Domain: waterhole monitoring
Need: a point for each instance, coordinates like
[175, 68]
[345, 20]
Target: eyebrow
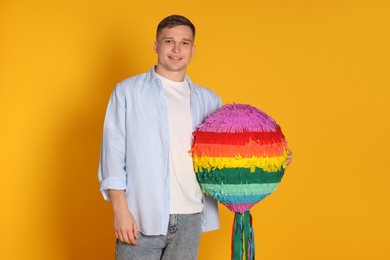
[171, 38]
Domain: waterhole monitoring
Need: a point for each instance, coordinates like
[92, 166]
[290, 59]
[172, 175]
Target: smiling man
[145, 165]
[175, 48]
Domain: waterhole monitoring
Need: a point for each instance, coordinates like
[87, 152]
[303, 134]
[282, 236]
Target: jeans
[180, 243]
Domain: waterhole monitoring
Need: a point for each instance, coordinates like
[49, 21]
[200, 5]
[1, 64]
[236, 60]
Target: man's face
[175, 48]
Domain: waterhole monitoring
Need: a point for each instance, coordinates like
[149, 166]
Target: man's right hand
[125, 226]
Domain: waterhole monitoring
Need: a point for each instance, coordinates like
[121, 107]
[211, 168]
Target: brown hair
[174, 20]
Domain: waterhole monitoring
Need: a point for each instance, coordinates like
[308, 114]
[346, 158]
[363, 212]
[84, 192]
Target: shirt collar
[154, 77]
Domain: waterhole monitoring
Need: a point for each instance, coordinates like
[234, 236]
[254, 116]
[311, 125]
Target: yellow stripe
[267, 164]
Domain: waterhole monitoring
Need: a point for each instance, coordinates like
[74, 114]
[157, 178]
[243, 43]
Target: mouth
[175, 58]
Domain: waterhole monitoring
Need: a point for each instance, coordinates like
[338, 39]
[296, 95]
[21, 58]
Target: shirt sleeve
[112, 166]
[219, 102]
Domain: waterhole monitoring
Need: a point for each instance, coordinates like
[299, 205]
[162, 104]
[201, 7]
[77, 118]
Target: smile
[175, 58]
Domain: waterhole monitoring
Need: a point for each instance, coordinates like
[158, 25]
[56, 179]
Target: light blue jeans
[180, 243]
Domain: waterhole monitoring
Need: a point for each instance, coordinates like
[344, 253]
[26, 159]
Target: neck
[171, 75]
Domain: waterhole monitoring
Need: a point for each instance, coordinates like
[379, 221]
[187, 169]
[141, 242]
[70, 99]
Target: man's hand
[289, 157]
[125, 226]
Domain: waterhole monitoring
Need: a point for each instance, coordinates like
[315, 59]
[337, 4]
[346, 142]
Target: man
[145, 166]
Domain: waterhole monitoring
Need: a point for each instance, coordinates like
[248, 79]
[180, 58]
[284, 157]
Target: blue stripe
[239, 199]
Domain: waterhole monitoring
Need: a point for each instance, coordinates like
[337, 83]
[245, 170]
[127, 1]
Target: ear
[193, 51]
[155, 47]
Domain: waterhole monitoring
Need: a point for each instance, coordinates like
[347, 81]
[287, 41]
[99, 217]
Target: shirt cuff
[113, 183]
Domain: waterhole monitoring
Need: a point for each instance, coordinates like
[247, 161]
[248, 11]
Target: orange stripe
[248, 150]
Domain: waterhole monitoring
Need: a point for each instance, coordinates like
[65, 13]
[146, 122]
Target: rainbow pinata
[239, 156]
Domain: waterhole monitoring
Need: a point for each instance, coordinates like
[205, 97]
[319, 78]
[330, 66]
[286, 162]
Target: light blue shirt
[135, 148]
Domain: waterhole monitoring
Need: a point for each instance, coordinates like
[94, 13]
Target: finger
[132, 239]
[120, 237]
[135, 230]
[289, 160]
[126, 238]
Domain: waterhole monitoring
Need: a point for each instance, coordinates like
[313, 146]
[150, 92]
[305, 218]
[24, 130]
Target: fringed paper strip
[243, 239]
[240, 137]
[250, 149]
[269, 164]
[239, 156]
[239, 176]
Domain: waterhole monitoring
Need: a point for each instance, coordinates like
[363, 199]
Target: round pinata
[239, 155]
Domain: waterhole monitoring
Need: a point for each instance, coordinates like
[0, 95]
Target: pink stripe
[236, 118]
[240, 208]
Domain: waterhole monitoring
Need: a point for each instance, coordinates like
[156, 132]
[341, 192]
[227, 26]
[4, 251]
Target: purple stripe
[240, 208]
[237, 118]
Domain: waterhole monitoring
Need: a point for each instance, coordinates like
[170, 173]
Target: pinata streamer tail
[243, 239]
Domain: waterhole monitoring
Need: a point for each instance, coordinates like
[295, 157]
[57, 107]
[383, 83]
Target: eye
[168, 41]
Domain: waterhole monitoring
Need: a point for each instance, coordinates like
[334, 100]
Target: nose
[175, 48]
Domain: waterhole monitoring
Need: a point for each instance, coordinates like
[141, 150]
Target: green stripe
[246, 232]
[216, 190]
[239, 175]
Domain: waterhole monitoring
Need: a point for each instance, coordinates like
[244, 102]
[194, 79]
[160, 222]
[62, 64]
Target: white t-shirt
[186, 195]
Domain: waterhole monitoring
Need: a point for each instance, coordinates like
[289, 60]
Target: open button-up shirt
[135, 149]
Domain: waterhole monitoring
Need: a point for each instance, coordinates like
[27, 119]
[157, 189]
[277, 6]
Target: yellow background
[319, 68]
